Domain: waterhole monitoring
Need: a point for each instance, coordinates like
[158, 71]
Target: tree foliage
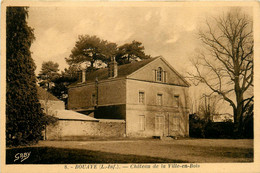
[23, 110]
[91, 49]
[67, 77]
[48, 73]
[131, 52]
[97, 52]
[226, 63]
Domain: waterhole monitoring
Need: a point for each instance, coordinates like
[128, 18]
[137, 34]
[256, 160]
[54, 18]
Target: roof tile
[123, 71]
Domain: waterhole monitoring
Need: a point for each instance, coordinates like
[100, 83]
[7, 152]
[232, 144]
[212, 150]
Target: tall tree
[91, 49]
[67, 77]
[23, 110]
[48, 73]
[131, 52]
[226, 64]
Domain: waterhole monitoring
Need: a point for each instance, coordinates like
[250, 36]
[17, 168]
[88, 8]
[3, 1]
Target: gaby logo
[22, 156]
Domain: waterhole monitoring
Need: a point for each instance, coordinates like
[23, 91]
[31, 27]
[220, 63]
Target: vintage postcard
[120, 86]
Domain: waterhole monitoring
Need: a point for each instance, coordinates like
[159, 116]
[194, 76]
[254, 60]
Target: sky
[168, 31]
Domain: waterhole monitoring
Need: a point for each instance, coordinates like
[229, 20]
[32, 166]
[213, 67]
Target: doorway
[159, 125]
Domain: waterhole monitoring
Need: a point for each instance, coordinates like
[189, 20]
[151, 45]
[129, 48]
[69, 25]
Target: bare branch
[227, 68]
[213, 89]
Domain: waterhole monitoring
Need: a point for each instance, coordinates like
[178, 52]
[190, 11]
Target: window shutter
[155, 75]
[176, 123]
[165, 76]
[162, 76]
[141, 122]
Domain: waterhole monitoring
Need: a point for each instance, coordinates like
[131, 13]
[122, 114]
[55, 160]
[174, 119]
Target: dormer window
[159, 74]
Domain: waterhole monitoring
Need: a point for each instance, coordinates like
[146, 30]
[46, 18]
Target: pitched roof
[123, 71]
[43, 94]
[72, 115]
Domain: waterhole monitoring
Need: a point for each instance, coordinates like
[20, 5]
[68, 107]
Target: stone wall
[76, 128]
[111, 127]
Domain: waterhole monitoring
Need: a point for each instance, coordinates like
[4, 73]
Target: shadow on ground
[51, 155]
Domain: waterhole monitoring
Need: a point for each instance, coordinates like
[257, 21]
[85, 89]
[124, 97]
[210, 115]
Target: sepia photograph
[128, 86]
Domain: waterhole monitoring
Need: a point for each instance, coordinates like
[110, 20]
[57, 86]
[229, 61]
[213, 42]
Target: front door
[159, 125]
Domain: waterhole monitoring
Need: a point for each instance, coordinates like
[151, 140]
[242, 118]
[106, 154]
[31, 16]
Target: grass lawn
[137, 151]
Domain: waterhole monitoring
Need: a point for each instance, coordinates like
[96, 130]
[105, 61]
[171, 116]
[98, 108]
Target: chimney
[112, 68]
[79, 74]
[83, 75]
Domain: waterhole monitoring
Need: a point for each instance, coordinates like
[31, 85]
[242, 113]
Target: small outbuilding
[71, 124]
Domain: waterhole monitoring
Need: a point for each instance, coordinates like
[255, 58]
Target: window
[159, 74]
[176, 123]
[141, 122]
[176, 101]
[93, 99]
[159, 99]
[141, 97]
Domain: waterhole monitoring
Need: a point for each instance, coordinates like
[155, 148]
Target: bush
[199, 128]
[248, 123]
[49, 120]
[196, 126]
[219, 129]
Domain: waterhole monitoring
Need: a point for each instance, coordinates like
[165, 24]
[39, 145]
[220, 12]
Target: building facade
[149, 95]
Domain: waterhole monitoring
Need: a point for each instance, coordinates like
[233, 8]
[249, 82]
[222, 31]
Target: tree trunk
[238, 118]
[239, 99]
